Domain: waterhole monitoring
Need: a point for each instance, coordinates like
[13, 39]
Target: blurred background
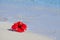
[41, 16]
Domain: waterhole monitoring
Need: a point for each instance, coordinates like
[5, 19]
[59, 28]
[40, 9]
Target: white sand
[5, 34]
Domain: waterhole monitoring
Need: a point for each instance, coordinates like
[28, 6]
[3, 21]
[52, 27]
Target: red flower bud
[19, 27]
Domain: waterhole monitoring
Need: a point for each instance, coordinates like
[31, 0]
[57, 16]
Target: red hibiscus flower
[19, 27]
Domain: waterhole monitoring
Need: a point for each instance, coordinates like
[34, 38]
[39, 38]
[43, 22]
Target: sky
[41, 16]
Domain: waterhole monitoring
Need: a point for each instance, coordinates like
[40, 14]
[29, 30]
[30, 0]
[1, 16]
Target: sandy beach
[6, 34]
